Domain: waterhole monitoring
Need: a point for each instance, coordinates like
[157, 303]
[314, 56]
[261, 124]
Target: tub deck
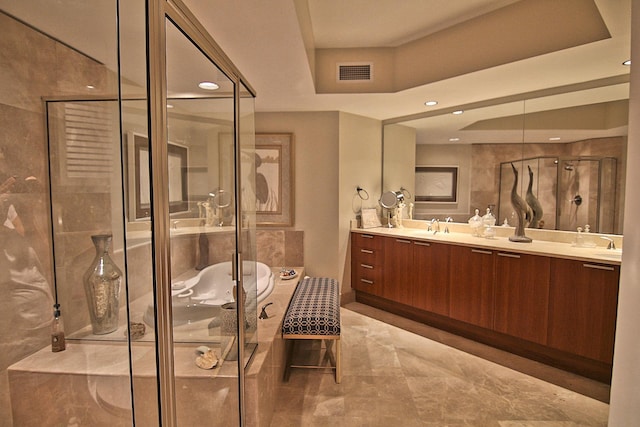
[92, 361]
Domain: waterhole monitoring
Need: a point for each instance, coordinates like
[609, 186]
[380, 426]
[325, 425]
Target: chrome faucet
[611, 244]
[446, 221]
[437, 228]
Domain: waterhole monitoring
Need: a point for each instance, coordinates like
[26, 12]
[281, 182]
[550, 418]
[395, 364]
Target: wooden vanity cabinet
[398, 261]
[522, 296]
[367, 263]
[555, 310]
[430, 286]
[471, 285]
[416, 274]
[582, 308]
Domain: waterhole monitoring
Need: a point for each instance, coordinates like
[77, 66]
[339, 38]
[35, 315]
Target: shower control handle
[577, 200]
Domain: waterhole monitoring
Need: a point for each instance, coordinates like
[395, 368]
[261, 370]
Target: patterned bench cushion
[314, 308]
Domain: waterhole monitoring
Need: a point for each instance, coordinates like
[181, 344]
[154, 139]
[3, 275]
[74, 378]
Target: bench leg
[334, 360]
[338, 362]
[289, 344]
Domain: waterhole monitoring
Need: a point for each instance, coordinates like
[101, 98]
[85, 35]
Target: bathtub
[214, 285]
[201, 296]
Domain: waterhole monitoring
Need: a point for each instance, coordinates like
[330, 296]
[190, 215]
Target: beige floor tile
[399, 372]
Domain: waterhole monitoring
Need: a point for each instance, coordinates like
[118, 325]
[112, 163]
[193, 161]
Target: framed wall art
[436, 184]
[274, 189]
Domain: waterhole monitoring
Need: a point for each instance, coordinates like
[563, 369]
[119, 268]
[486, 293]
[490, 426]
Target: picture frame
[274, 179]
[138, 177]
[436, 184]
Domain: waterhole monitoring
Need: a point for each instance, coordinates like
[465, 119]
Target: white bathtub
[214, 285]
[201, 296]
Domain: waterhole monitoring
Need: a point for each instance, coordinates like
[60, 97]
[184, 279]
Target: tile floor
[401, 373]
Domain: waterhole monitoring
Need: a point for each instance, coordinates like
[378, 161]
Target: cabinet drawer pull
[367, 281]
[508, 255]
[403, 241]
[422, 243]
[366, 236]
[480, 251]
[366, 251]
[598, 267]
[366, 266]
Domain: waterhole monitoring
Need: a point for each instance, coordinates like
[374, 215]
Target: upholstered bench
[314, 313]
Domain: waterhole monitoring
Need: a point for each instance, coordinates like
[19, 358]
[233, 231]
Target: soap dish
[288, 274]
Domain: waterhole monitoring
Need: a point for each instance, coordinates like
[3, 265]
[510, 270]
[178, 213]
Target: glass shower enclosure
[146, 138]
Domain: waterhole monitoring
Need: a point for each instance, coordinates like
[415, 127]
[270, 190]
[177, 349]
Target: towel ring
[361, 190]
[406, 192]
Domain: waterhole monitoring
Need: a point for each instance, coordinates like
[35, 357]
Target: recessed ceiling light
[454, 139]
[90, 87]
[208, 85]
[458, 112]
[554, 138]
[627, 62]
[431, 103]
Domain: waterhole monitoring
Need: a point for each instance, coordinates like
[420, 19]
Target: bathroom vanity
[548, 301]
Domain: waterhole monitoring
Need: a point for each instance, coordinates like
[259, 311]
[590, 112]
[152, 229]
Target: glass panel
[140, 264]
[259, 285]
[203, 235]
[66, 53]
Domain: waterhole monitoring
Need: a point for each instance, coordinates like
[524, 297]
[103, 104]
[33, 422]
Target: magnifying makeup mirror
[389, 201]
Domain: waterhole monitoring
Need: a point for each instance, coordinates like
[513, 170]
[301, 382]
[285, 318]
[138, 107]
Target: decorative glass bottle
[102, 288]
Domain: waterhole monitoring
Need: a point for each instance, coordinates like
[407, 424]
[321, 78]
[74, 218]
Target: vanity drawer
[367, 248]
[367, 258]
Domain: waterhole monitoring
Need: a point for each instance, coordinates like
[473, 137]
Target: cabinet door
[582, 311]
[471, 285]
[367, 257]
[522, 296]
[398, 262]
[430, 285]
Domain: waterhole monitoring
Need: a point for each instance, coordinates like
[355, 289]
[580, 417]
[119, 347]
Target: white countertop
[599, 254]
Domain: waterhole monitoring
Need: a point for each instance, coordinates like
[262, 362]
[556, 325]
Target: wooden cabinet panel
[367, 258]
[398, 262]
[471, 285]
[522, 296]
[582, 309]
[431, 277]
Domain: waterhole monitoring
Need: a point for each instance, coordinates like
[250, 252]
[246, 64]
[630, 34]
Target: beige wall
[625, 386]
[316, 153]
[360, 165]
[399, 151]
[447, 155]
[334, 153]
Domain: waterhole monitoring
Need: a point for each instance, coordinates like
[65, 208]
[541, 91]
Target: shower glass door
[213, 296]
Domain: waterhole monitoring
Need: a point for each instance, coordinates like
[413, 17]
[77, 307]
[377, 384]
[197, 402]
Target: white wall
[625, 387]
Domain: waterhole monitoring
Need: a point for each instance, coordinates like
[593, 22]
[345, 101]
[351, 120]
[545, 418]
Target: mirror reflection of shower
[586, 193]
[573, 191]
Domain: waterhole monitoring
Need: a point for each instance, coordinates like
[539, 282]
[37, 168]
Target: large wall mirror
[568, 142]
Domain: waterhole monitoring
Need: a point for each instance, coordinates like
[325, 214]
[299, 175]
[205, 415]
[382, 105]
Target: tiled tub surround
[89, 381]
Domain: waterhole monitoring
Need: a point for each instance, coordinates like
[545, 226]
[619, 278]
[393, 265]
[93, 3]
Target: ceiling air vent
[355, 72]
